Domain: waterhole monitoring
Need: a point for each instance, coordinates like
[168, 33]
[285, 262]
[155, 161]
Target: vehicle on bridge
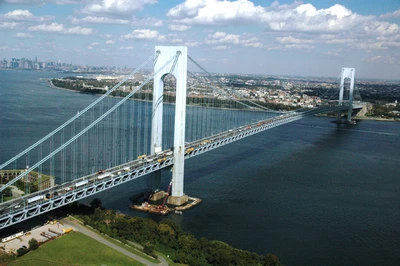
[36, 198]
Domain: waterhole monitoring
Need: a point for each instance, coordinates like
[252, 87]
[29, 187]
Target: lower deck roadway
[77, 226]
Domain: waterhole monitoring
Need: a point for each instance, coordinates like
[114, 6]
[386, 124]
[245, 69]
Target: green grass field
[74, 249]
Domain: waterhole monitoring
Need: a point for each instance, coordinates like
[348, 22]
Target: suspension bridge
[117, 139]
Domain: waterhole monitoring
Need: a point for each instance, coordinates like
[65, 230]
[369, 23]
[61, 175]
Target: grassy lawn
[74, 249]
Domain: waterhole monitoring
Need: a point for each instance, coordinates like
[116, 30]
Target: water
[310, 192]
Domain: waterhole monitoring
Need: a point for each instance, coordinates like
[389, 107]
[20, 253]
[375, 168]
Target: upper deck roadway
[28, 206]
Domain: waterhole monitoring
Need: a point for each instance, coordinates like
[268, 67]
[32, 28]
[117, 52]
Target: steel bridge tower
[347, 73]
[178, 68]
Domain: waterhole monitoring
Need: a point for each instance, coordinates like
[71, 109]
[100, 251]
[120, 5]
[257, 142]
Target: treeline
[384, 111]
[168, 238]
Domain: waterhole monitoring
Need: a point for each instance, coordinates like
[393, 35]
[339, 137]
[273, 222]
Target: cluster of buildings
[24, 63]
[29, 64]
[35, 179]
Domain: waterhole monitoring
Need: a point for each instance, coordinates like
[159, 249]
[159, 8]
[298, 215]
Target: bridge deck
[28, 206]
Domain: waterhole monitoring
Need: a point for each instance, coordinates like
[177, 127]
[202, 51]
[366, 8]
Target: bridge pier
[178, 68]
[347, 73]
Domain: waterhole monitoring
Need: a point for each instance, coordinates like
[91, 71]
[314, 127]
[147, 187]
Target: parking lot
[56, 229]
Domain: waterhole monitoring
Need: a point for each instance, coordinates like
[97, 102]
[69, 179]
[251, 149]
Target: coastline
[51, 85]
[377, 118]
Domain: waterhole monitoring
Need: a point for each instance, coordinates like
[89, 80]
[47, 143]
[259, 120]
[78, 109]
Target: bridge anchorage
[107, 147]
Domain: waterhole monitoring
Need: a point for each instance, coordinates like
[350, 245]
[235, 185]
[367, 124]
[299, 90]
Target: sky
[302, 38]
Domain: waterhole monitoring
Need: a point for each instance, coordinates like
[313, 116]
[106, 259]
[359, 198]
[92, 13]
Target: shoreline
[51, 85]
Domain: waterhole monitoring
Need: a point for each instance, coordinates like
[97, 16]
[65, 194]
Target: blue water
[310, 192]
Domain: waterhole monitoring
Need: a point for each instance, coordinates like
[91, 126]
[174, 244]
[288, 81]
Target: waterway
[310, 192]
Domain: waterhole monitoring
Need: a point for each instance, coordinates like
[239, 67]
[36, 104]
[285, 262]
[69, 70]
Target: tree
[21, 252]
[33, 244]
[271, 260]
[148, 248]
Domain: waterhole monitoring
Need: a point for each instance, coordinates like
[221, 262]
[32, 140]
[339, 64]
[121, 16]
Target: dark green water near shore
[310, 192]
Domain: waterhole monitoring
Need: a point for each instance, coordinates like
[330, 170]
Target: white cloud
[116, 7]
[381, 59]
[9, 25]
[221, 47]
[110, 42]
[298, 46]
[23, 35]
[23, 15]
[292, 40]
[215, 12]
[118, 21]
[79, 31]
[176, 27]
[224, 38]
[99, 20]
[147, 22]
[332, 53]
[381, 28]
[3, 48]
[127, 48]
[394, 14]
[60, 28]
[297, 17]
[53, 27]
[192, 44]
[145, 34]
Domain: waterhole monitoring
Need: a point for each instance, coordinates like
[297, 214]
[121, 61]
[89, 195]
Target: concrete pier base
[178, 201]
[157, 196]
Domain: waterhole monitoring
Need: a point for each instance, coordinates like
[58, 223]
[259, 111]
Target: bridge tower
[347, 73]
[178, 68]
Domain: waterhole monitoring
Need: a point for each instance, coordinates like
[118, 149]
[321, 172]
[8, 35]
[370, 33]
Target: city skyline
[306, 38]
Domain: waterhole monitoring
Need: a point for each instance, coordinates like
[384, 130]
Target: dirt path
[86, 231]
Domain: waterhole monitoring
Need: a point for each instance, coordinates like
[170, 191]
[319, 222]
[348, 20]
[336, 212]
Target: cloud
[381, 28]
[127, 48]
[297, 17]
[292, 40]
[61, 29]
[175, 27]
[99, 20]
[145, 34]
[382, 59]
[224, 38]
[215, 12]
[332, 53]
[110, 20]
[394, 14]
[110, 42]
[221, 47]
[116, 7]
[9, 25]
[23, 35]
[23, 15]
[147, 22]
[192, 44]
